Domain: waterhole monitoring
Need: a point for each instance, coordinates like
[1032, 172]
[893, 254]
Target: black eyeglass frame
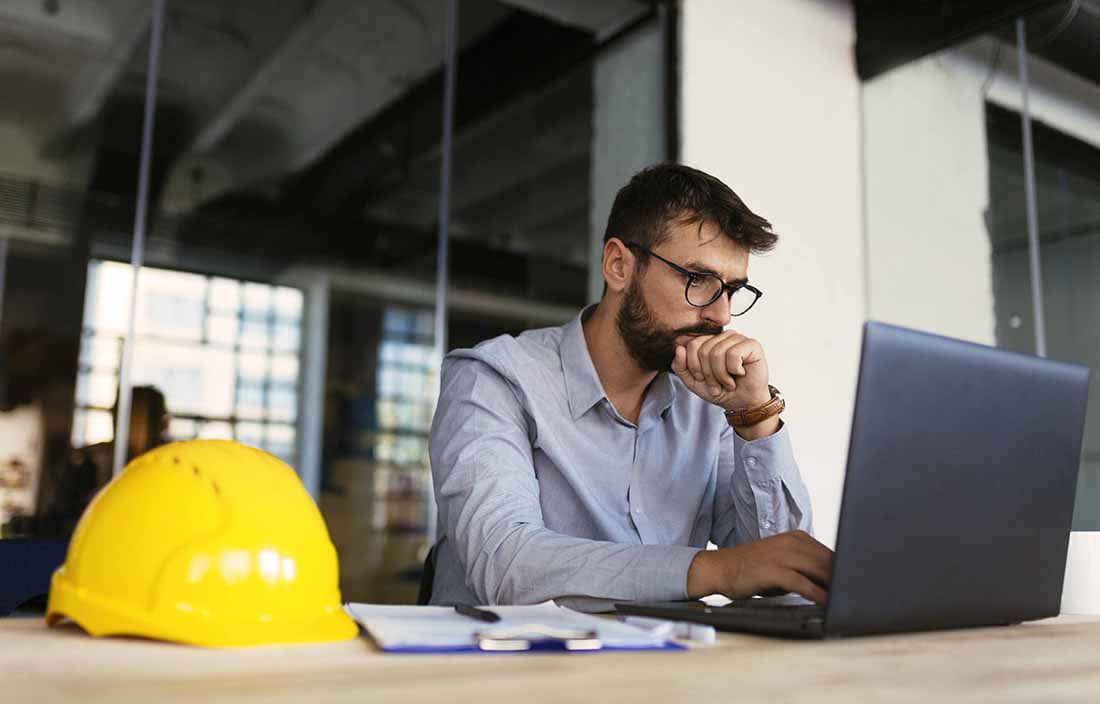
[692, 276]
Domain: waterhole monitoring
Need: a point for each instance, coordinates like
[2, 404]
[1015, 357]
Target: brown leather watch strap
[744, 417]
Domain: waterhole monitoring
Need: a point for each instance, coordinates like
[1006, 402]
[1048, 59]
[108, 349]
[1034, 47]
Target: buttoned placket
[648, 420]
[635, 506]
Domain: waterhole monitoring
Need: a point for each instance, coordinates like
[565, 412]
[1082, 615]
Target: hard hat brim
[101, 617]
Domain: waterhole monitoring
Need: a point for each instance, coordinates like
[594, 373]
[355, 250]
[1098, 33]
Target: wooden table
[1046, 661]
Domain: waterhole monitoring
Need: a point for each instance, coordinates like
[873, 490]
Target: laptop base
[763, 616]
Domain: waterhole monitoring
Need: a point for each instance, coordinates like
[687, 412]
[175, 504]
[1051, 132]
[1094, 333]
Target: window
[225, 353]
[406, 394]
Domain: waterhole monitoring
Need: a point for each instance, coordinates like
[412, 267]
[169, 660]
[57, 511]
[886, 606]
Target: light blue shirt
[545, 492]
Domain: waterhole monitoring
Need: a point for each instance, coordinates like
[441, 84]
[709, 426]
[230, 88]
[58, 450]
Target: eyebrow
[702, 269]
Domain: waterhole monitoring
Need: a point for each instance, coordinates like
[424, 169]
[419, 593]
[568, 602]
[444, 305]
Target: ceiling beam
[307, 34]
[98, 81]
[602, 18]
[521, 53]
[485, 168]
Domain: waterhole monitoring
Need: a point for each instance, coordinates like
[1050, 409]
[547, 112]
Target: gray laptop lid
[958, 497]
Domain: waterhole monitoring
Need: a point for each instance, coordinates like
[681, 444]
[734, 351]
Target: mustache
[699, 330]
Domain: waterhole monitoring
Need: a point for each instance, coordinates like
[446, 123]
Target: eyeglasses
[703, 289]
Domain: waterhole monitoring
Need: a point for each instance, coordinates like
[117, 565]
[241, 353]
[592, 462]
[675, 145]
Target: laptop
[958, 496]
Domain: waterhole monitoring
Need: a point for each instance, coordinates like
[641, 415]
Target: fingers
[734, 361]
[710, 378]
[793, 581]
[694, 365]
[727, 359]
[791, 561]
[817, 570]
[796, 563]
[818, 547]
[680, 368]
[707, 359]
[743, 352]
[815, 548]
[679, 361]
[713, 363]
[806, 555]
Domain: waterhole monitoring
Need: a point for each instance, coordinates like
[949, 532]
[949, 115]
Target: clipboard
[537, 628]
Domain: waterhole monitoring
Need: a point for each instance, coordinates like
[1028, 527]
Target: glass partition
[1067, 181]
[308, 290]
[288, 288]
[946, 204]
[70, 135]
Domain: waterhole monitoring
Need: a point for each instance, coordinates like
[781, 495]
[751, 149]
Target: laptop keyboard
[773, 610]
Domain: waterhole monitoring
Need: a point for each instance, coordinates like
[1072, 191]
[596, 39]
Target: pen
[479, 614]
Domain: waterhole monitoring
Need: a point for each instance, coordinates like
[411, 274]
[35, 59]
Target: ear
[618, 265]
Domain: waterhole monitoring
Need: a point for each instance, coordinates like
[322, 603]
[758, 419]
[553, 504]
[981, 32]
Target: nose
[718, 312]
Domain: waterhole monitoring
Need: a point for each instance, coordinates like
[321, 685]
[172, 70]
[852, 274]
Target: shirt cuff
[767, 458]
[663, 572]
[662, 575]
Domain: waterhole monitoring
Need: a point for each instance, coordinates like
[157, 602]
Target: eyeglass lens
[704, 290]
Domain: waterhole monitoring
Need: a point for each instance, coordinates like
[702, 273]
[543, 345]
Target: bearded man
[592, 463]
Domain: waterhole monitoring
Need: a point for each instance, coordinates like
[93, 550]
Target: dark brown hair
[665, 194]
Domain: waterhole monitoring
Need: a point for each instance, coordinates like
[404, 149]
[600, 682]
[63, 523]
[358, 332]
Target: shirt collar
[662, 392]
[582, 384]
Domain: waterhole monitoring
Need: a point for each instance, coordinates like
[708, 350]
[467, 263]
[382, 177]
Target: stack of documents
[439, 629]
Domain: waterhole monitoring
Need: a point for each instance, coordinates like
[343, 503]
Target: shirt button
[751, 461]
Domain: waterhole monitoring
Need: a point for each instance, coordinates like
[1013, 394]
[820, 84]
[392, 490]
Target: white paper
[394, 627]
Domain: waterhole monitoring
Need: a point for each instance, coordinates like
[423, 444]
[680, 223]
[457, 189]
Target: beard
[651, 344]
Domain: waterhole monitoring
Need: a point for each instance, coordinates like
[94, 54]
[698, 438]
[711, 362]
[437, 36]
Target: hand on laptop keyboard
[791, 562]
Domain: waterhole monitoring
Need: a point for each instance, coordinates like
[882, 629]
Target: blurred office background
[288, 294]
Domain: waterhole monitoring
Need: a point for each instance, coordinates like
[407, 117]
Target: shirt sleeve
[760, 490]
[488, 499]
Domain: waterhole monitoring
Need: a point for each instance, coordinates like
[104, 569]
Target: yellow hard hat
[207, 542]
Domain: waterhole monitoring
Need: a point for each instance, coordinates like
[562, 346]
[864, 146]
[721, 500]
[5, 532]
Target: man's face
[655, 316]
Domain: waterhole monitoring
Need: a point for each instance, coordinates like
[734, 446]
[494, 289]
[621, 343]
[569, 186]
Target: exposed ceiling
[63, 63]
[893, 32]
[1066, 34]
[303, 114]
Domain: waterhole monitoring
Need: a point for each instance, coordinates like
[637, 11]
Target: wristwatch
[744, 417]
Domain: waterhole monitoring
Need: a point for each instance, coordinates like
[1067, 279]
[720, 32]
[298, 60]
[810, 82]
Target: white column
[927, 185]
[771, 105]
